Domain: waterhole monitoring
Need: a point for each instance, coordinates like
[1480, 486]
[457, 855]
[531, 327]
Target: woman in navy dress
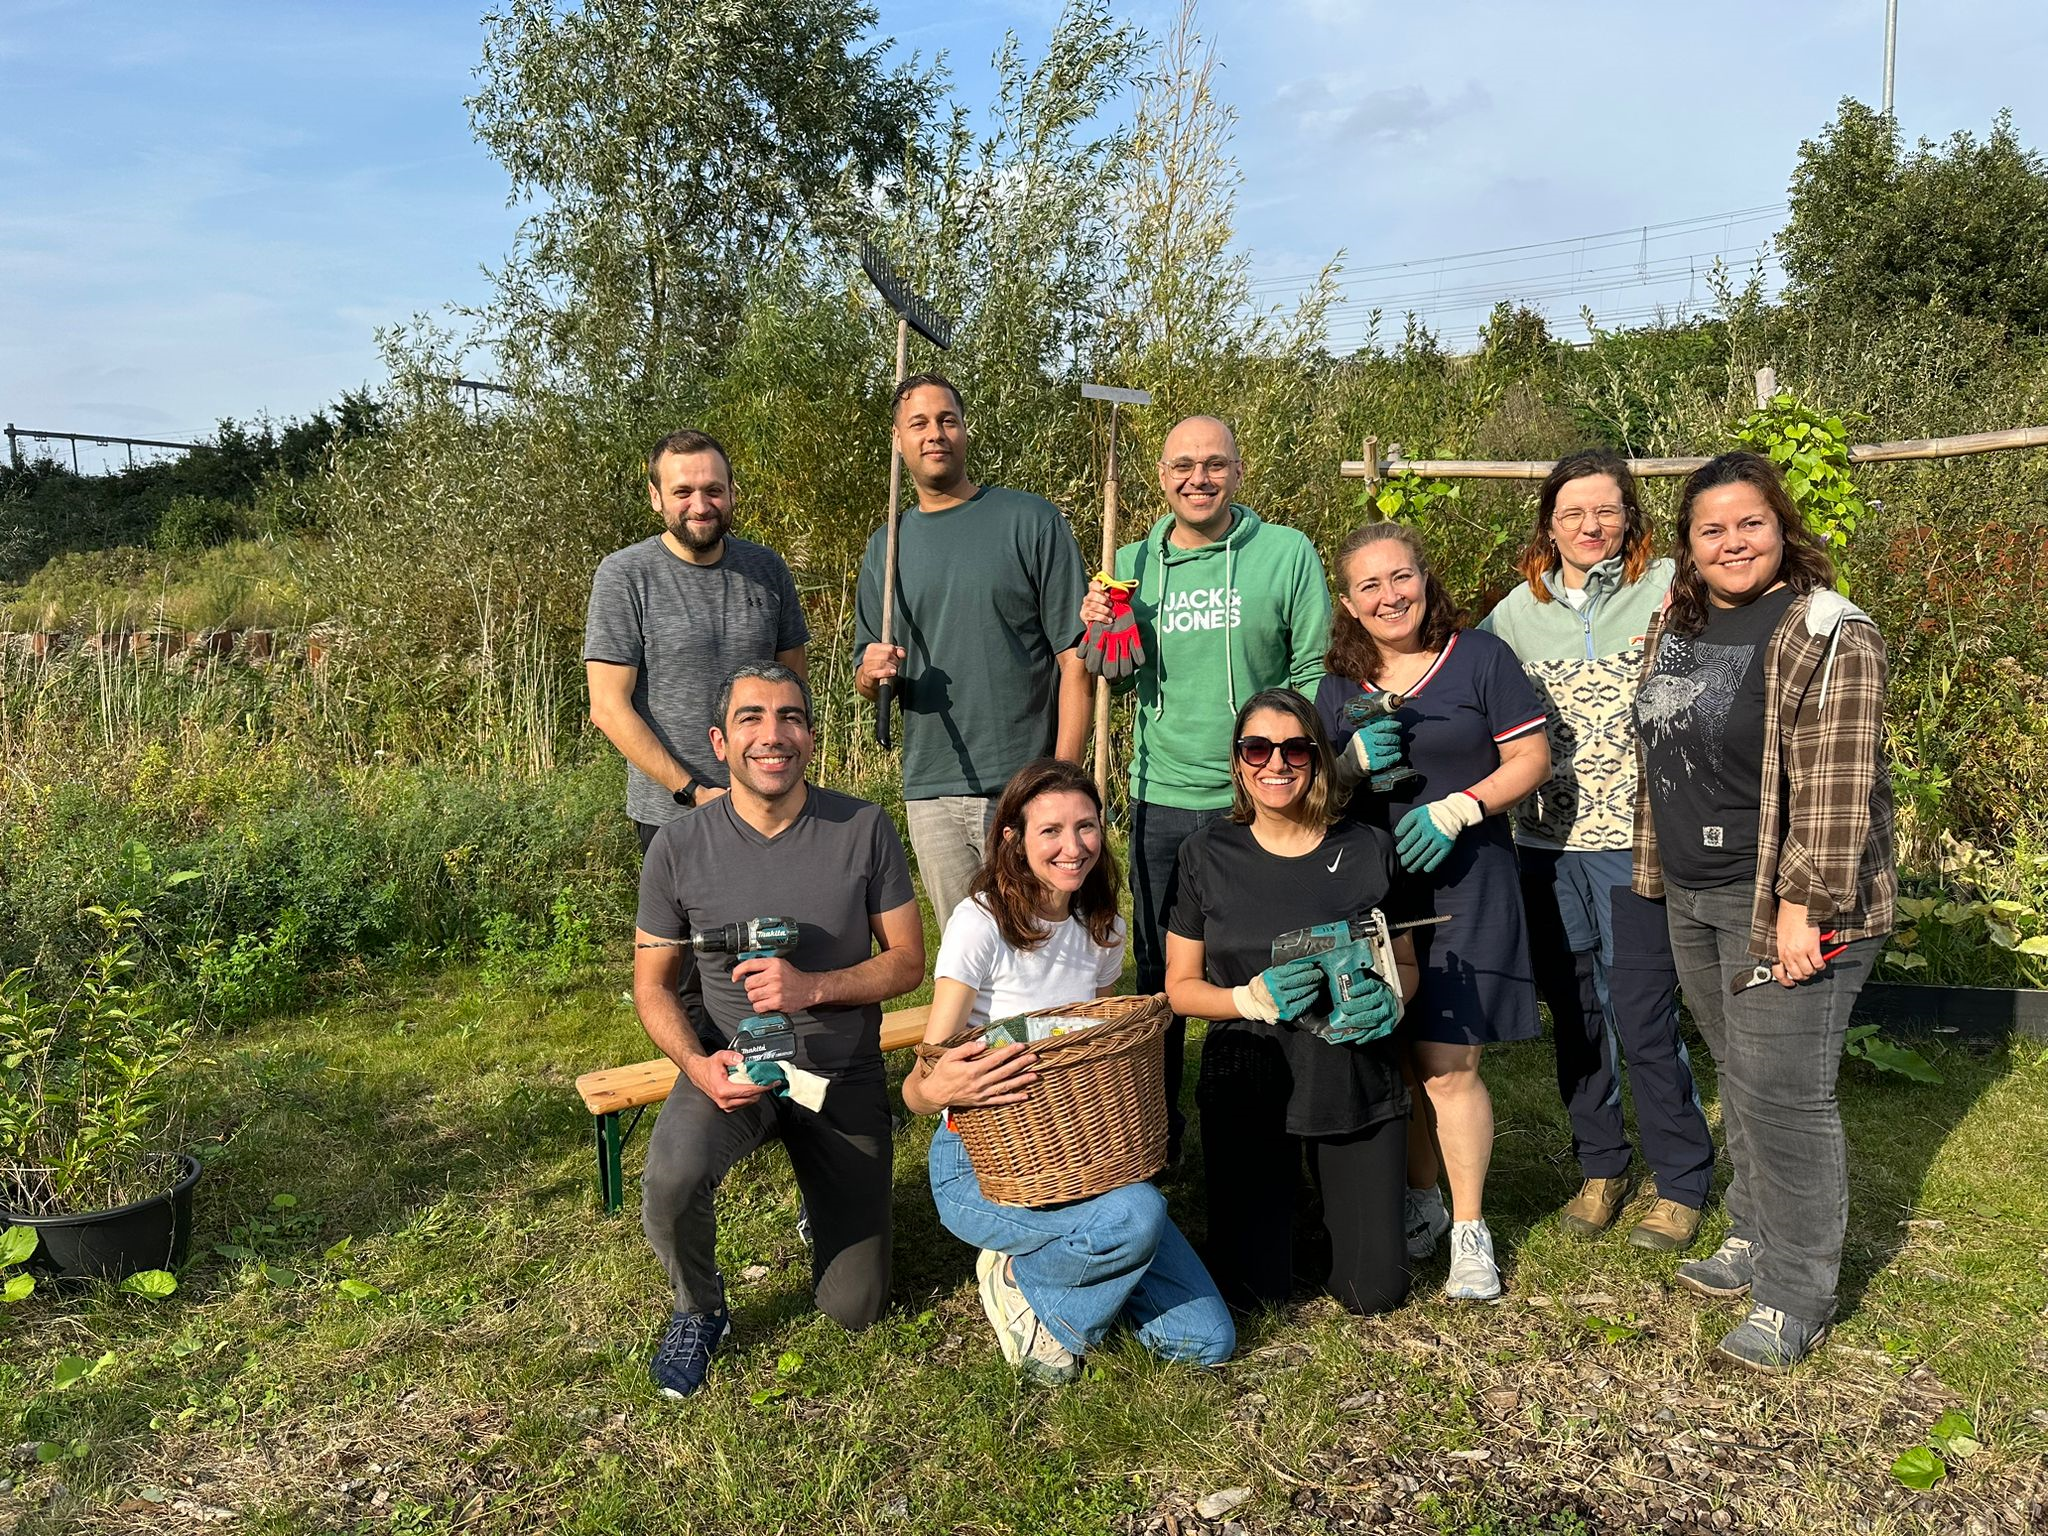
[1476, 743]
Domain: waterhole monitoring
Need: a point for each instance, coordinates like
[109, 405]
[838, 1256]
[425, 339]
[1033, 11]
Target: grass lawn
[426, 1140]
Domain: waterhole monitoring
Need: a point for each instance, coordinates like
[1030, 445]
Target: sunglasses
[1257, 751]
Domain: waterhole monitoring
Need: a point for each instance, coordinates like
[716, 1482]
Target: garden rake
[913, 313]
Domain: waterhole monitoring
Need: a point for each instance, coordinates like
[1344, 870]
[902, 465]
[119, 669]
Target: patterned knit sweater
[1583, 663]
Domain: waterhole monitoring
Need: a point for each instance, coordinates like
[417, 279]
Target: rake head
[919, 313]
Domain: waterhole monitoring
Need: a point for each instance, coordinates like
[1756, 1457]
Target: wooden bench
[616, 1090]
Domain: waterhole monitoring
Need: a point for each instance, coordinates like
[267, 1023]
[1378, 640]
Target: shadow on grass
[1897, 1129]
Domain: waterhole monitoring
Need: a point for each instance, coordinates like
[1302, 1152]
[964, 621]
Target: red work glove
[1113, 650]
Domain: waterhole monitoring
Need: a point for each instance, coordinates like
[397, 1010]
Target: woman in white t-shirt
[1040, 928]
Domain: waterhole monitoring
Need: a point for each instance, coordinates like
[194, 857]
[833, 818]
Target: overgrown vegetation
[238, 482]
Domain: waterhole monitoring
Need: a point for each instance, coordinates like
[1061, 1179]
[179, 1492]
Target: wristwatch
[687, 795]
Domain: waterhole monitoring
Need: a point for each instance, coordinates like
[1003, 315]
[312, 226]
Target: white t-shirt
[1069, 967]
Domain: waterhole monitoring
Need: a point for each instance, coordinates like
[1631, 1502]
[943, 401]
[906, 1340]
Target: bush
[368, 868]
[193, 523]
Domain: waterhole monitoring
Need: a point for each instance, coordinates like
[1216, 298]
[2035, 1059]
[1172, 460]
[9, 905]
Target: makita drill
[1328, 938]
[765, 1036]
[1329, 946]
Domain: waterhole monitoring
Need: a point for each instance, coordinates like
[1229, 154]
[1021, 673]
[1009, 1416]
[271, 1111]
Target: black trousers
[1614, 942]
[841, 1158]
[1157, 831]
[1252, 1170]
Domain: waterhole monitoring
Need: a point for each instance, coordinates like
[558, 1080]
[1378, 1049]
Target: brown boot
[1593, 1209]
[1669, 1228]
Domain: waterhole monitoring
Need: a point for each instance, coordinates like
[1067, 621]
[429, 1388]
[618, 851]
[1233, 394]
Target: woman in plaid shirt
[1765, 821]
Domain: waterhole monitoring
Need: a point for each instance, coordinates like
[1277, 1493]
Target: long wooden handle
[885, 696]
[1109, 567]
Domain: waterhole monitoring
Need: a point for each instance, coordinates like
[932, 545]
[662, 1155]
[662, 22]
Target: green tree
[670, 148]
[1875, 231]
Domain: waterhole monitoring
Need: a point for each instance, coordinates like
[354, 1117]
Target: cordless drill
[1325, 939]
[1368, 707]
[765, 1036]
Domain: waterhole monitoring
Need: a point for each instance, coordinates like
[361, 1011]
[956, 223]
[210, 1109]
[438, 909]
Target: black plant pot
[150, 1234]
[1974, 1013]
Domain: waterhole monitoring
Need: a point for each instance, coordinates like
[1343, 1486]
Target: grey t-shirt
[831, 870]
[686, 627]
[987, 594]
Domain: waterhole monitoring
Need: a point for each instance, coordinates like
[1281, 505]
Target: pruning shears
[1756, 976]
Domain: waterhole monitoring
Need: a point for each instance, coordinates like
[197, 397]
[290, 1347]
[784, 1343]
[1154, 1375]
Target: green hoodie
[1583, 663]
[1250, 611]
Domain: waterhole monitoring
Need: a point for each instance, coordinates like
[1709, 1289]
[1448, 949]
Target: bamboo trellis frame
[1372, 468]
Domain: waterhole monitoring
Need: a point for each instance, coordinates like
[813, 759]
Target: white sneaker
[1424, 1220]
[1023, 1339]
[1474, 1276]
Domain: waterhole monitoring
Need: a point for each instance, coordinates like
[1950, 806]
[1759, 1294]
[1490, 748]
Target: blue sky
[208, 208]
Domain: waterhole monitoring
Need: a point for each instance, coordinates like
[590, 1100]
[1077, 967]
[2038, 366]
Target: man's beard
[695, 542]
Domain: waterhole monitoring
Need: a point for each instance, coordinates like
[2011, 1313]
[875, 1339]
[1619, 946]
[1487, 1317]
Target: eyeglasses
[1607, 517]
[1180, 469]
[1257, 751]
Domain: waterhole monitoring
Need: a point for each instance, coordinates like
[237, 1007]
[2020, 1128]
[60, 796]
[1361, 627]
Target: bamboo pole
[1535, 469]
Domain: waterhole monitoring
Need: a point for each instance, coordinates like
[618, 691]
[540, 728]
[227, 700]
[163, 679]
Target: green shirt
[988, 594]
[1219, 623]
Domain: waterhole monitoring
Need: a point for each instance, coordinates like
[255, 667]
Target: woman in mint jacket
[1602, 955]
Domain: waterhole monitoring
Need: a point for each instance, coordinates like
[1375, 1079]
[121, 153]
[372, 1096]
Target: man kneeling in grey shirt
[775, 846]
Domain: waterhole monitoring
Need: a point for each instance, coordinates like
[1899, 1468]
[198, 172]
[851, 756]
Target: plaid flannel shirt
[1824, 817]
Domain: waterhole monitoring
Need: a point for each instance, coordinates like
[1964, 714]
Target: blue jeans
[1084, 1265]
[1157, 831]
[1778, 1051]
[1602, 958]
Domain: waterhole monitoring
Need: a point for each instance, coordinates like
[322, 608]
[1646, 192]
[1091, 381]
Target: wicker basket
[1094, 1121]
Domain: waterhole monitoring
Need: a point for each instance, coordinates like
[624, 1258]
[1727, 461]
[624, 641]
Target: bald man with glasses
[1226, 604]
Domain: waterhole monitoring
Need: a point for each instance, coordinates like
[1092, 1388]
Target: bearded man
[671, 618]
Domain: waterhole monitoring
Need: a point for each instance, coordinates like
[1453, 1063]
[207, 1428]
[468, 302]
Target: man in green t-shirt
[1226, 604]
[989, 584]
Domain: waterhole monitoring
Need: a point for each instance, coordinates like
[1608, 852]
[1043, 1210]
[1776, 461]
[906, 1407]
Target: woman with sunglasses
[1765, 823]
[1298, 1057]
[1475, 745]
[1602, 953]
[1038, 929]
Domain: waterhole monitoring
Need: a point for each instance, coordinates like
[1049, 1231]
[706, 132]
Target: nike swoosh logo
[1336, 861]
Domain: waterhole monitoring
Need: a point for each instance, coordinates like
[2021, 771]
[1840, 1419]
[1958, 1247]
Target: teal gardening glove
[1281, 993]
[1363, 1007]
[1424, 838]
[1368, 1011]
[1373, 748]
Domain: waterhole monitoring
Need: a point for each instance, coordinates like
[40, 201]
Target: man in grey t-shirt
[986, 660]
[669, 620]
[774, 846]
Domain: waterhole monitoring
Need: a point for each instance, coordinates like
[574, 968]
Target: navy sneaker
[684, 1355]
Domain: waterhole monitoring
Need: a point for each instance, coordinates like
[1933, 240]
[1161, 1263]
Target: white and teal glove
[1424, 838]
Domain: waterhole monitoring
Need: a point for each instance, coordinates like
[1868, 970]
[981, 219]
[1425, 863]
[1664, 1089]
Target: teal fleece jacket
[1583, 665]
[1220, 622]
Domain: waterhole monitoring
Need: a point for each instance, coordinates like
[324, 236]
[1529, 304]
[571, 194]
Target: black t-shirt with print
[1701, 716]
[1236, 898]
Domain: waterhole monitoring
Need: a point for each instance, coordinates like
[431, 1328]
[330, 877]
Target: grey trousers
[949, 835]
[841, 1158]
[1778, 1051]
